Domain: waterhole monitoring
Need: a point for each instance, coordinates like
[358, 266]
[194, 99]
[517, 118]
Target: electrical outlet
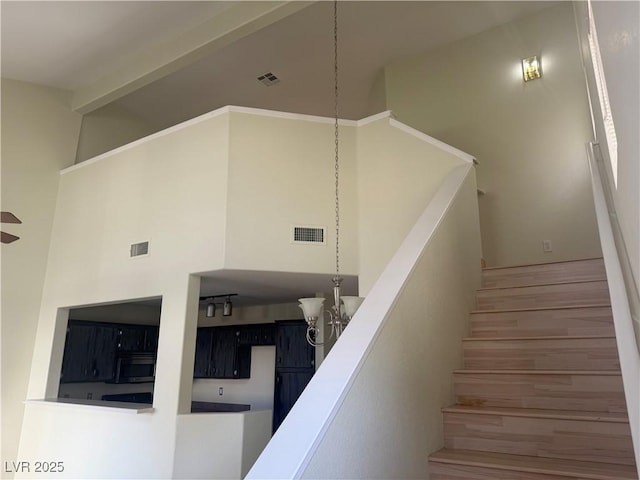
[220, 390]
[546, 246]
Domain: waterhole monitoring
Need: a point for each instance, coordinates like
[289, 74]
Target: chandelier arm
[310, 339]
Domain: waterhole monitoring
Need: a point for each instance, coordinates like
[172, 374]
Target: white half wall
[220, 445]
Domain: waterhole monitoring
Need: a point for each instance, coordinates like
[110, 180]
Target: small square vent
[139, 249]
[268, 79]
[309, 235]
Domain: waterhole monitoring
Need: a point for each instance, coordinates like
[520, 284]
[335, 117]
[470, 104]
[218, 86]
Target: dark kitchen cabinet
[295, 366]
[220, 355]
[201, 367]
[288, 387]
[257, 334]
[89, 353]
[137, 338]
[292, 348]
[224, 346]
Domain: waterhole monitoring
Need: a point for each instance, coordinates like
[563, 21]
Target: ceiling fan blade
[8, 217]
[7, 237]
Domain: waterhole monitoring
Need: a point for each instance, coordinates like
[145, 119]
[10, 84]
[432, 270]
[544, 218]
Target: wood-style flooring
[540, 396]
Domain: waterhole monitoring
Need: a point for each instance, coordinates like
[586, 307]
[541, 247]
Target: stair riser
[579, 271]
[444, 471]
[561, 322]
[540, 296]
[548, 354]
[593, 393]
[594, 441]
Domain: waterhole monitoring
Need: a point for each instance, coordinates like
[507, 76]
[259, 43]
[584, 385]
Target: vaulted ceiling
[172, 60]
[168, 61]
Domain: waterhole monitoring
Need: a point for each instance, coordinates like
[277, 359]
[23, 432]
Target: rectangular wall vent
[139, 249]
[309, 235]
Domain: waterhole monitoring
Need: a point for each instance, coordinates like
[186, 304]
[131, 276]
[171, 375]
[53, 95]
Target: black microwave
[135, 368]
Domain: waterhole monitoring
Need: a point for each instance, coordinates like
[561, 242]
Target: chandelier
[344, 307]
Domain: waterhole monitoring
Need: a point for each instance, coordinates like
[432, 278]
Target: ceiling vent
[268, 79]
[309, 235]
[139, 249]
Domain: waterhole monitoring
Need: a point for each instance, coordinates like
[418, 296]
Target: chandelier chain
[335, 111]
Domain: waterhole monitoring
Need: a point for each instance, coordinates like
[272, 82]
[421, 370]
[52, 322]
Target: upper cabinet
[258, 334]
[91, 349]
[225, 352]
[89, 352]
[292, 348]
[137, 338]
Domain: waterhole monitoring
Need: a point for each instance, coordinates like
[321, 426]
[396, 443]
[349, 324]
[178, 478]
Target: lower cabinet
[288, 387]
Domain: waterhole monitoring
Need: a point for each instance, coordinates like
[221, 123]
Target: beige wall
[529, 138]
[39, 137]
[107, 128]
[394, 187]
[281, 173]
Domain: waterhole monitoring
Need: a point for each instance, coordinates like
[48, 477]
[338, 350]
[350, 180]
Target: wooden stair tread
[613, 417]
[548, 466]
[538, 372]
[544, 284]
[550, 337]
[540, 263]
[536, 309]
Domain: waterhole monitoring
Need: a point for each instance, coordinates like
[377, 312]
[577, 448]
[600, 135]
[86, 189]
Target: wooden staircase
[540, 396]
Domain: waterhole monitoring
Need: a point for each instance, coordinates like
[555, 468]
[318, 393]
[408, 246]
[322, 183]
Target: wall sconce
[531, 68]
[227, 306]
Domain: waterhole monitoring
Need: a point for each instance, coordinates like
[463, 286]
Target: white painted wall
[281, 173]
[529, 138]
[394, 187]
[220, 445]
[39, 136]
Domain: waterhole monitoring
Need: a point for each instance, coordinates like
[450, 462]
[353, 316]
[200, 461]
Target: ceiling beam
[216, 33]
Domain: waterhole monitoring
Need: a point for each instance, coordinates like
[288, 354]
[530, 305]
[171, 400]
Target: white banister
[623, 323]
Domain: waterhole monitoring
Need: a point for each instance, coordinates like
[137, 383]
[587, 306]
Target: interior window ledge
[120, 407]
